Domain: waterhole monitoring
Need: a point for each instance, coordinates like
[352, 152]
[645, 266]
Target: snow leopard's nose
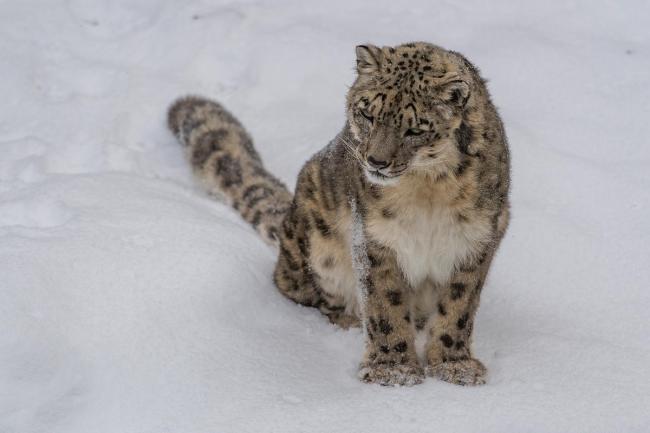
[374, 163]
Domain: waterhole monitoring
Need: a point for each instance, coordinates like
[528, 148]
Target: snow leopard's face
[405, 109]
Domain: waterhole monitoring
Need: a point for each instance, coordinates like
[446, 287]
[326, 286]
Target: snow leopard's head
[406, 109]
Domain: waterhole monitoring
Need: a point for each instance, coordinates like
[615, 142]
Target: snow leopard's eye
[367, 115]
[413, 132]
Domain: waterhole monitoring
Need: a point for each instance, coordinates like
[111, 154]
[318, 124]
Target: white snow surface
[130, 301]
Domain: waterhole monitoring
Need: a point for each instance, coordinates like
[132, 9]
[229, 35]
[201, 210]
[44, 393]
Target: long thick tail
[223, 158]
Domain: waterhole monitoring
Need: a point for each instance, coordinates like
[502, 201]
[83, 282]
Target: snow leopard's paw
[469, 371]
[345, 321]
[391, 375]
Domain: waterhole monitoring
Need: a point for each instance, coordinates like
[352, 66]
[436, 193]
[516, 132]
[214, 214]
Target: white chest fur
[429, 240]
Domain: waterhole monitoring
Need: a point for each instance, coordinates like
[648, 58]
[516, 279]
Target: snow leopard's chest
[430, 242]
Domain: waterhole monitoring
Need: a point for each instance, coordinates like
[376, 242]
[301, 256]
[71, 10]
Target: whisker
[353, 151]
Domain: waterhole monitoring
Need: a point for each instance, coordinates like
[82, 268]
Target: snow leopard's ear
[455, 93]
[368, 59]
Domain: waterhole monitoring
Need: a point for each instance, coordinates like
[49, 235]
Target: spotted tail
[223, 158]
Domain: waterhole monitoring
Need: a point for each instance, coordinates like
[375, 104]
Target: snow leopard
[394, 224]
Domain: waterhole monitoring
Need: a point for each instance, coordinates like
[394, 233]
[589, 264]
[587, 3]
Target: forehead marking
[414, 117]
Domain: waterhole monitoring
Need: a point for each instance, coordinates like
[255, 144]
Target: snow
[130, 301]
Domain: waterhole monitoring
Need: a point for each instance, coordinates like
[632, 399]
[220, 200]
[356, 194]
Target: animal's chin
[381, 179]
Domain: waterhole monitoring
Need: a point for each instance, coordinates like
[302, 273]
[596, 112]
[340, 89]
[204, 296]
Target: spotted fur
[394, 224]
[223, 157]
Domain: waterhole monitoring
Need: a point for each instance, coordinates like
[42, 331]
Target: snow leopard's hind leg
[295, 275]
[223, 157]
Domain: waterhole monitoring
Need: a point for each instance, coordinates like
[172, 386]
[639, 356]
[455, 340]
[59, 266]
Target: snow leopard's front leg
[390, 357]
[449, 354]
